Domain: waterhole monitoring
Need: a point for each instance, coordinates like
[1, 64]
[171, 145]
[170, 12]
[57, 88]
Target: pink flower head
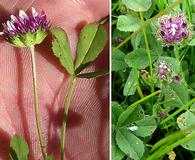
[25, 30]
[163, 70]
[173, 29]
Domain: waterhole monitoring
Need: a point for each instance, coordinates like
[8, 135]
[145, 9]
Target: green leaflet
[139, 58]
[61, 49]
[185, 121]
[117, 154]
[181, 92]
[92, 40]
[18, 148]
[145, 126]
[116, 111]
[50, 158]
[192, 42]
[138, 5]
[118, 60]
[130, 144]
[132, 80]
[128, 23]
[130, 115]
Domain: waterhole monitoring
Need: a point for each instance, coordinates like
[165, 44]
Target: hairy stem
[36, 103]
[66, 109]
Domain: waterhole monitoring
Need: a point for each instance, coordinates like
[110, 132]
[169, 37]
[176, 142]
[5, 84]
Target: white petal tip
[13, 18]
[34, 12]
[22, 14]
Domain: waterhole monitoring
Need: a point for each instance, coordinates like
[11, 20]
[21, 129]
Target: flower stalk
[36, 103]
[64, 123]
[27, 30]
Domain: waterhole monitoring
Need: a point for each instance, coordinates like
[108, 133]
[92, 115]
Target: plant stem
[66, 108]
[139, 90]
[189, 10]
[165, 150]
[135, 104]
[148, 52]
[176, 51]
[36, 103]
[142, 100]
[177, 111]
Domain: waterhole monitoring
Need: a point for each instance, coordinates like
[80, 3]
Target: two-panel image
[97, 80]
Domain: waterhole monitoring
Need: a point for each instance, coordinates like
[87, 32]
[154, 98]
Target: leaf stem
[148, 52]
[36, 103]
[66, 109]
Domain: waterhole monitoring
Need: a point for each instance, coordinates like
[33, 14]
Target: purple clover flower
[162, 115]
[25, 30]
[176, 78]
[173, 29]
[163, 70]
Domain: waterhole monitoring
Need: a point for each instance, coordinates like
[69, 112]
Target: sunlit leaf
[92, 40]
[18, 148]
[61, 49]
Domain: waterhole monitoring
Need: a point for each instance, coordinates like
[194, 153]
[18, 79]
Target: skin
[88, 121]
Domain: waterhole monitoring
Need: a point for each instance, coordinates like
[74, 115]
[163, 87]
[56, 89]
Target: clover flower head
[176, 78]
[162, 115]
[163, 70]
[25, 30]
[173, 29]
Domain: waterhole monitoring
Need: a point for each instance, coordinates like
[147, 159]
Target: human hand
[87, 133]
